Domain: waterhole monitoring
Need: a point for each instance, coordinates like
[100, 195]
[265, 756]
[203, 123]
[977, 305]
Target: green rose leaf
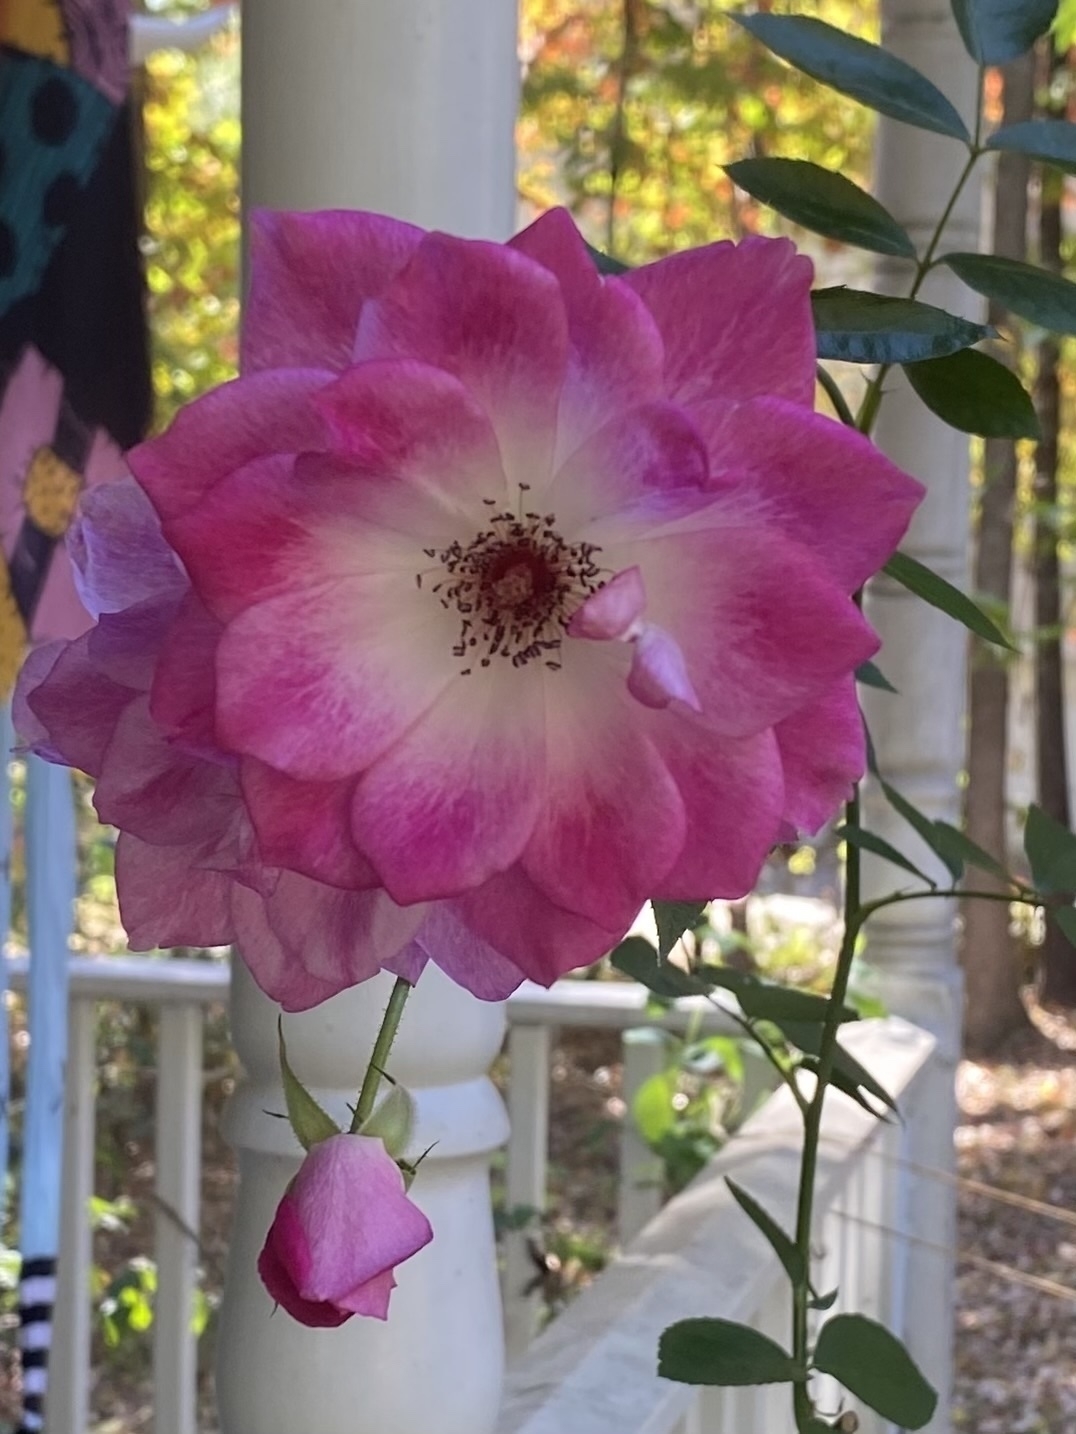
[605, 263]
[310, 1123]
[1051, 852]
[652, 1109]
[865, 72]
[958, 846]
[636, 958]
[926, 827]
[873, 1365]
[673, 918]
[783, 1246]
[994, 31]
[1051, 141]
[870, 675]
[1036, 295]
[1065, 916]
[822, 201]
[973, 392]
[848, 1074]
[721, 1352]
[867, 841]
[393, 1120]
[860, 327]
[939, 593]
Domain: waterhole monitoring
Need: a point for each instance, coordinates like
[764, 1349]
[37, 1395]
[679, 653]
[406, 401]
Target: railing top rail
[148, 980]
[594, 1370]
[611, 1005]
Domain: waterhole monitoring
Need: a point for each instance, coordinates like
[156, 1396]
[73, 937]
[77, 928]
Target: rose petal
[350, 1199]
[659, 673]
[509, 916]
[274, 966]
[322, 682]
[409, 420]
[225, 429]
[119, 554]
[305, 826]
[65, 708]
[287, 1249]
[159, 792]
[166, 901]
[613, 821]
[493, 319]
[735, 319]
[611, 612]
[815, 480]
[823, 752]
[184, 690]
[616, 356]
[341, 938]
[461, 954]
[746, 607]
[456, 799]
[653, 457]
[732, 790]
[310, 275]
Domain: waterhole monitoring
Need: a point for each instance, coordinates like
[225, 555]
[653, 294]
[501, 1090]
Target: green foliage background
[691, 93]
[191, 243]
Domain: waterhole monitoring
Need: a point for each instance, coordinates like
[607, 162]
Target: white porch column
[919, 736]
[408, 108]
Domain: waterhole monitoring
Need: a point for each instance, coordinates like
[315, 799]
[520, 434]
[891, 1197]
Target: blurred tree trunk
[1057, 967]
[989, 952]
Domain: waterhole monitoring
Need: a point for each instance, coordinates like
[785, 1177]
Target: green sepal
[393, 1121]
[310, 1123]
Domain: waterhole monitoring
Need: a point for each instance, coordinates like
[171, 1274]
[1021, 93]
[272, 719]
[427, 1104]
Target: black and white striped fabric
[37, 1299]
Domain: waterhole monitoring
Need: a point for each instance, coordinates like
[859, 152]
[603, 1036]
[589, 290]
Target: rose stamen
[515, 587]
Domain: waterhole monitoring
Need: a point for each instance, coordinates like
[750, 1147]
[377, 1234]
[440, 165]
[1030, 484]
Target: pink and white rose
[500, 597]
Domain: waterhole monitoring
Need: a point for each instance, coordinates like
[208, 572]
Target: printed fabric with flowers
[495, 598]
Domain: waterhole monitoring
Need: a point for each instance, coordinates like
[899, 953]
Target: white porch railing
[593, 1372]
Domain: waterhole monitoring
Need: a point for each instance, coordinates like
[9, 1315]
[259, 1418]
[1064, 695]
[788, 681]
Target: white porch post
[919, 736]
[408, 108]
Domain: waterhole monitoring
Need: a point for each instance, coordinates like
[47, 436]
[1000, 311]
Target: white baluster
[408, 108]
[69, 1381]
[639, 1190]
[179, 1163]
[437, 1362]
[529, 1049]
[919, 736]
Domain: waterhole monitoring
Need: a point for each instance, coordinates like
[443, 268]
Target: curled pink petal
[613, 611]
[659, 673]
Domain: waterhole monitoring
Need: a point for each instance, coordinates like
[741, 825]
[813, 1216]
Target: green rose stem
[390, 1024]
[873, 396]
[855, 913]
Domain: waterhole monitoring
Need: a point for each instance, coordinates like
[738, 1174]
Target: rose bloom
[505, 596]
[345, 1222]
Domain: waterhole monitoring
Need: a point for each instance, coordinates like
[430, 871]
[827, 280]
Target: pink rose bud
[345, 1222]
